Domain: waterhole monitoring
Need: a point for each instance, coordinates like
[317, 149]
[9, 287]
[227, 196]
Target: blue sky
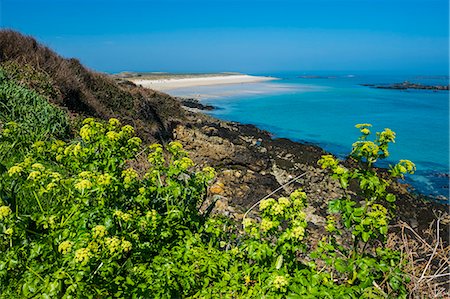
[246, 36]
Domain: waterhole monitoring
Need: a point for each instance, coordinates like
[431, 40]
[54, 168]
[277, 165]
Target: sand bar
[174, 83]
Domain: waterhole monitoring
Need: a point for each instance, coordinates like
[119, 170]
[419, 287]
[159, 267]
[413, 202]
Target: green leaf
[390, 197]
[334, 206]
[383, 230]
[279, 262]
[365, 236]
[130, 281]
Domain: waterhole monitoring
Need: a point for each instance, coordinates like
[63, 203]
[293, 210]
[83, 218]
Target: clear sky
[246, 36]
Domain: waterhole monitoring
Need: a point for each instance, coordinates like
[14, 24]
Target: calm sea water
[324, 111]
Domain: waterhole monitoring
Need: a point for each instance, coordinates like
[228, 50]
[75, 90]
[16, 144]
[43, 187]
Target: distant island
[408, 85]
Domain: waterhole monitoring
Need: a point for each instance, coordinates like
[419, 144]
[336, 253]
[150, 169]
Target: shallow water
[324, 111]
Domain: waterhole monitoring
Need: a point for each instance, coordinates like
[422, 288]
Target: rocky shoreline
[251, 164]
[194, 104]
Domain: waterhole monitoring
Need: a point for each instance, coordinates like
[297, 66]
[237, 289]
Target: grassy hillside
[66, 83]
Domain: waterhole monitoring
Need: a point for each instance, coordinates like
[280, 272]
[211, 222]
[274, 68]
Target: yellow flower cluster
[184, 163]
[83, 185]
[113, 136]
[407, 166]
[89, 120]
[126, 245]
[277, 209]
[387, 135]
[152, 215]
[298, 233]
[104, 179]
[365, 131]
[73, 150]
[328, 161]
[266, 203]
[9, 129]
[267, 224]
[331, 222]
[175, 145]
[155, 146]
[86, 132]
[366, 148]
[280, 282]
[209, 172]
[93, 246]
[123, 216]
[378, 215]
[135, 141]
[339, 170]
[99, 231]
[34, 175]
[15, 170]
[56, 176]
[114, 245]
[156, 157]
[298, 197]
[5, 211]
[128, 129]
[39, 146]
[85, 175]
[50, 222]
[362, 126]
[58, 146]
[114, 122]
[65, 247]
[284, 201]
[38, 166]
[83, 255]
[129, 175]
[248, 222]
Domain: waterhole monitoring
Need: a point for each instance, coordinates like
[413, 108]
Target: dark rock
[194, 103]
[408, 85]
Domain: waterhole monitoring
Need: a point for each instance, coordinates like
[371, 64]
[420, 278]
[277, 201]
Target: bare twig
[434, 251]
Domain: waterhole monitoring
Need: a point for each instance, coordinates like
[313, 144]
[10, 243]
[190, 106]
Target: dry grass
[427, 259]
[85, 92]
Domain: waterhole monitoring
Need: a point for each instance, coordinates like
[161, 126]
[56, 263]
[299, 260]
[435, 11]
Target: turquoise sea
[323, 109]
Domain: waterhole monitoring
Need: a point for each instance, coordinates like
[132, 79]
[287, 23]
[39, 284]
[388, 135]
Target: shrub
[77, 221]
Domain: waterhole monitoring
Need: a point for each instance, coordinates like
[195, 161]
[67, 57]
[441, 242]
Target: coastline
[169, 83]
[191, 89]
[250, 163]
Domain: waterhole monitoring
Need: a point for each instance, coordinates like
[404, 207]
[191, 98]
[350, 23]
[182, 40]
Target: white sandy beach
[174, 83]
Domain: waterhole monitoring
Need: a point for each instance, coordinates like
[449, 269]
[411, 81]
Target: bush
[77, 221]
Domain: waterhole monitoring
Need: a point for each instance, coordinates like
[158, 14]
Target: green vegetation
[67, 83]
[26, 117]
[78, 221]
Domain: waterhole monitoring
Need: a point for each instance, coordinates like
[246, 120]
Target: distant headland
[408, 85]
